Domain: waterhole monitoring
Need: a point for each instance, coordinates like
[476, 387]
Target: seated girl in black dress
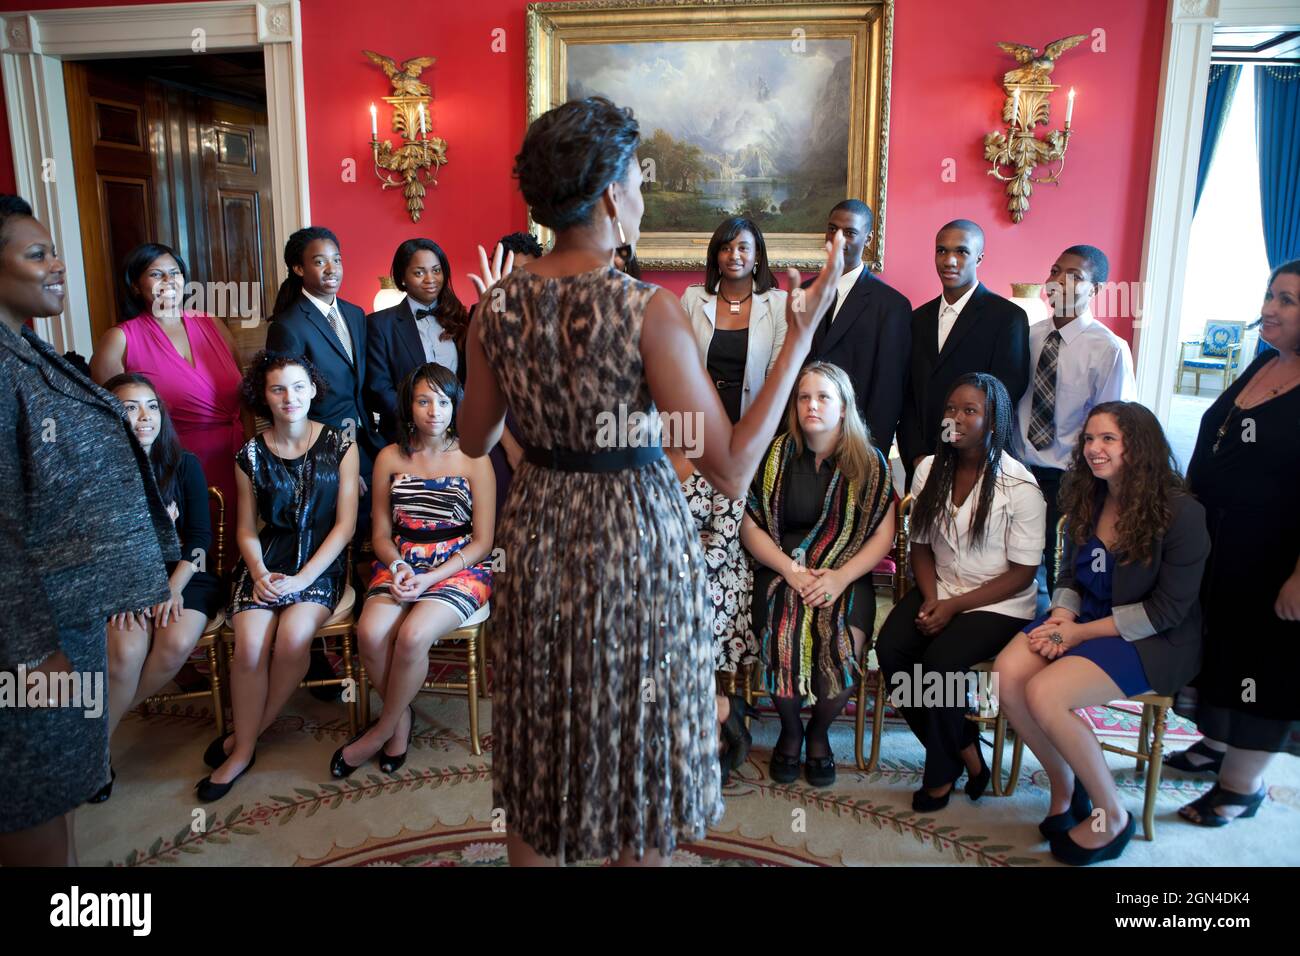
[301, 478]
[818, 519]
[145, 651]
[432, 522]
[1125, 620]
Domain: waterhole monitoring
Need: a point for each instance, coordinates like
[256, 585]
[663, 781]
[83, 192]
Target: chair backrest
[1220, 336]
[214, 494]
[1058, 550]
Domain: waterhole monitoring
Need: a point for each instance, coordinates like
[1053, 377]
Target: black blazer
[302, 330]
[1157, 606]
[871, 339]
[393, 351]
[991, 335]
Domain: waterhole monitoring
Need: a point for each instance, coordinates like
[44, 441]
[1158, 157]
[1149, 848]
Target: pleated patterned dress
[604, 716]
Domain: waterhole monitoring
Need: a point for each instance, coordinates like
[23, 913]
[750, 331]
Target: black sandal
[1179, 761]
[1201, 810]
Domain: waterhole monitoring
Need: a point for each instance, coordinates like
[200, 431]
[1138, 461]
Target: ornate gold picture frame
[801, 121]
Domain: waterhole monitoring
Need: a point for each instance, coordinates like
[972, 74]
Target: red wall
[946, 96]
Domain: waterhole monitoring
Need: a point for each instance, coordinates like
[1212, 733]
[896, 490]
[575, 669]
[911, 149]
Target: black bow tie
[425, 313]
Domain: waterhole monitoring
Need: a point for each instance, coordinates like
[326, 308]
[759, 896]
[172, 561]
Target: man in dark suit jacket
[966, 329]
[868, 330]
[394, 349]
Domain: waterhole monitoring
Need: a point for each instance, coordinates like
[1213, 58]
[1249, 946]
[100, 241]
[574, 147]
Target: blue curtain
[1277, 136]
[1218, 100]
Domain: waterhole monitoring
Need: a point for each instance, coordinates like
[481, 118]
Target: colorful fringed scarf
[840, 533]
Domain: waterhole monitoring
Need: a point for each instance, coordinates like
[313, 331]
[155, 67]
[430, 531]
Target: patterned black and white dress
[604, 715]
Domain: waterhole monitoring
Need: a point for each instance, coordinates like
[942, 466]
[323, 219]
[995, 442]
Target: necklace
[1257, 385]
[735, 305]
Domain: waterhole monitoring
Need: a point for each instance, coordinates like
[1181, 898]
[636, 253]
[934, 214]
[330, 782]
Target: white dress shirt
[1093, 365]
[324, 308]
[948, 314]
[1016, 523]
[436, 348]
[844, 286]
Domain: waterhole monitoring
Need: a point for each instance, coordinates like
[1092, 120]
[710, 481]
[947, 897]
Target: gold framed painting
[771, 109]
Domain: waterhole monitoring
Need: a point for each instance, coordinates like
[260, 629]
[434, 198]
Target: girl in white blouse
[977, 540]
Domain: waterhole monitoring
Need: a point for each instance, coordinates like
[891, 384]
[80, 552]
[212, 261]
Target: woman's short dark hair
[521, 244]
[728, 230]
[166, 451]
[12, 207]
[452, 314]
[570, 154]
[253, 388]
[137, 261]
[435, 376]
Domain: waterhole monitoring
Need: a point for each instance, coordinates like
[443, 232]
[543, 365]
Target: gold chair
[462, 648]
[208, 641]
[338, 627]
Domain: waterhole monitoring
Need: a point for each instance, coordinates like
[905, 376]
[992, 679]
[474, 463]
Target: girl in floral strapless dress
[434, 509]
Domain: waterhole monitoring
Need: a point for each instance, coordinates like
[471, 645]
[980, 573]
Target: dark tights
[824, 712]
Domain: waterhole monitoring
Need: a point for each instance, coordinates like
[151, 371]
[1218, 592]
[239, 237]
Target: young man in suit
[868, 330]
[966, 329]
[1078, 363]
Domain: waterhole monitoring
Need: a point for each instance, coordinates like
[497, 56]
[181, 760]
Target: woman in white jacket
[739, 319]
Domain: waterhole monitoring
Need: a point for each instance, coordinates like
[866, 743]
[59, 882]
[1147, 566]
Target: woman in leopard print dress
[604, 716]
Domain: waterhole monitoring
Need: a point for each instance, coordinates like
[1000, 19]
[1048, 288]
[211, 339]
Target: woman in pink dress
[189, 356]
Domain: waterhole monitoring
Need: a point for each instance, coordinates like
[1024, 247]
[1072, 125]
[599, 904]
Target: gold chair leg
[214, 682]
[485, 655]
[1017, 754]
[1154, 767]
[860, 723]
[877, 722]
[350, 675]
[363, 693]
[999, 742]
[1144, 732]
[471, 687]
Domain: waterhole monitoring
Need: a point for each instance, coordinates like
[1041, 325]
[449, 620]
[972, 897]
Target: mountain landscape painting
[758, 128]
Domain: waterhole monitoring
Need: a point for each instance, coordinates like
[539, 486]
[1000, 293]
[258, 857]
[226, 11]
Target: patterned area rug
[437, 811]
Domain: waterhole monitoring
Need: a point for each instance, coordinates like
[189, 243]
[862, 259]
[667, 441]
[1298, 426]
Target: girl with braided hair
[977, 539]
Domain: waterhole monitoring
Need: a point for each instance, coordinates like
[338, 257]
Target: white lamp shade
[388, 294]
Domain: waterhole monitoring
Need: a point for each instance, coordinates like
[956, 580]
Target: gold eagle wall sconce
[1016, 151]
[412, 165]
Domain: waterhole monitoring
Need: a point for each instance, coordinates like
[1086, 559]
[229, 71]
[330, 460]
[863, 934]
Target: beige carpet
[438, 810]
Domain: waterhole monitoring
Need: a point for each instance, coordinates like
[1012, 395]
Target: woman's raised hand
[805, 307]
[491, 273]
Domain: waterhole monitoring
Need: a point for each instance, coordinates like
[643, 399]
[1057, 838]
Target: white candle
[1069, 108]
[374, 122]
[1015, 106]
[424, 129]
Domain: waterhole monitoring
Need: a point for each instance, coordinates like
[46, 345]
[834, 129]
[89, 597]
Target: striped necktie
[341, 331]
[1042, 419]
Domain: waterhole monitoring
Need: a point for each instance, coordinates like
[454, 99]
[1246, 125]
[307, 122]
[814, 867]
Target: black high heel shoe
[340, 767]
[389, 763]
[216, 754]
[1067, 851]
[977, 784]
[106, 791]
[924, 802]
[1079, 810]
[735, 733]
[1179, 760]
[1203, 807]
[209, 791]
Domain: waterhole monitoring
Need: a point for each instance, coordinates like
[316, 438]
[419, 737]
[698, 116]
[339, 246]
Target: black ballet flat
[1179, 761]
[216, 754]
[976, 785]
[106, 791]
[783, 769]
[209, 792]
[923, 802]
[387, 762]
[1079, 810]
[819, 771]
[1067, 851]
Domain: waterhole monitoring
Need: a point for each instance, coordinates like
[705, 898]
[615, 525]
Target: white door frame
[1185, 71]
[34, 44]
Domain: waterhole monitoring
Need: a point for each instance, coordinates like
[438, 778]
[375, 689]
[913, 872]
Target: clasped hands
[818, 587]
[407, 585]
[272, 586]
[1060, 624]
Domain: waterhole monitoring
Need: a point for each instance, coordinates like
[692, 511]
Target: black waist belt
[617, 459]
[429, 535]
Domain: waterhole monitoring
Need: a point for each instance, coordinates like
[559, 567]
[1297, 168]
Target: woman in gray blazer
[84, 535]
[1125, 619]
[739, 321]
